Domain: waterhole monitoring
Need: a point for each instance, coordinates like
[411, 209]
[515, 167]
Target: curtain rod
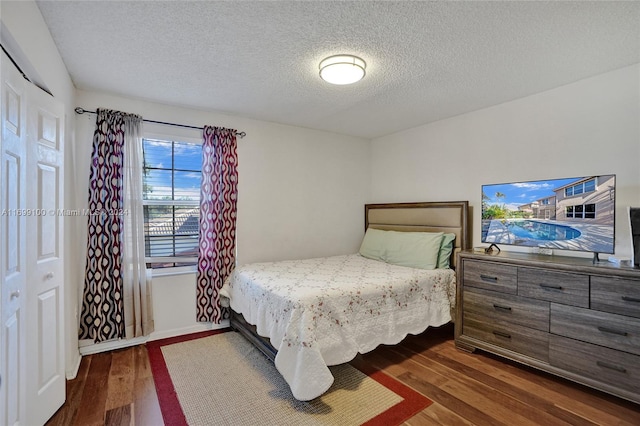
[80, 110]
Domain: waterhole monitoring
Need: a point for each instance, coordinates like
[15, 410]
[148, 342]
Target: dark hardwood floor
[116, 388]
[111, 388]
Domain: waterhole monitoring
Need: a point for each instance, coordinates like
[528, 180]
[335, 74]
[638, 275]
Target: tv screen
[566, 214]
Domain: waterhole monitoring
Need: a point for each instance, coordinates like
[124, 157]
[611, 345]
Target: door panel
[11, 376]
[45, 380]
[12, 223]
[13, 260]
[47, 221]
[49, 129]
[49, 317]
[13, 111]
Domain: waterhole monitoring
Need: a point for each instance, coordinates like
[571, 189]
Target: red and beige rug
[219, 378]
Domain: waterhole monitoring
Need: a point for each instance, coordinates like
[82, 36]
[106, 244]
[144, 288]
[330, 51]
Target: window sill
[178, 270]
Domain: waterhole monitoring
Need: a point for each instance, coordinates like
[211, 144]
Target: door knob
[49, 275]
[14, 294]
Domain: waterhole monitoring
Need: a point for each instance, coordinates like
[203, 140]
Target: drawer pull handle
[551, 286]
[501, 334]
[611, 366]
[489, 278]
[612, 331]
[503, 308]
[631, 299]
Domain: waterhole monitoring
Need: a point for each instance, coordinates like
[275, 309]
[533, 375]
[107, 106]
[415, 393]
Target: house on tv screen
[590, 198]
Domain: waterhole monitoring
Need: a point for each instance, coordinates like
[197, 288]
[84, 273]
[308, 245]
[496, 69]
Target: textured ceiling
[426, 60]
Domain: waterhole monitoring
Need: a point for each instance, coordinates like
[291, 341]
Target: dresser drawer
[601, 328]
[619, 369]
[524, 340]
[559, 287]
[490, 276]
[506, 309]
[617, 295]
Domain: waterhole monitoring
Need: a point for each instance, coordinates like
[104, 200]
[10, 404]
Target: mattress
[324, 311]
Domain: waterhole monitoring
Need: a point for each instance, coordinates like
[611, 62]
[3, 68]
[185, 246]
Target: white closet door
[45, 375]
[13, 259]
[32, 385]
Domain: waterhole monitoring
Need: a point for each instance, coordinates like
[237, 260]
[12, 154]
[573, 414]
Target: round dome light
[342, 69]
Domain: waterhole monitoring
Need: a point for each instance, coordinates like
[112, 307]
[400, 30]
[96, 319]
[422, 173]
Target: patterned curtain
[102, 315]
[218, 208]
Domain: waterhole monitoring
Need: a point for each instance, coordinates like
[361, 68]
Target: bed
[307, 315]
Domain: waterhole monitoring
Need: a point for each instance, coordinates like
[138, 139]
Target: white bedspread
[320, 312]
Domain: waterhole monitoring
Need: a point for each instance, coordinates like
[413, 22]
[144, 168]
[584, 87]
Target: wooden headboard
[445, 216]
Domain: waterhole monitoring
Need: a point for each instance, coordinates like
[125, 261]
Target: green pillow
[444, 255]
[373, 244]
[411, 249]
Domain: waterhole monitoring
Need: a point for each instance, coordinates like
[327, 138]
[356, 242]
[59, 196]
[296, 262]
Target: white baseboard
[88, 348]
[164, 334]
[71, 374]
[94, 348]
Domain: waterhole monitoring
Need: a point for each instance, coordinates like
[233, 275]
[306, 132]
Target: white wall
[301, 193]
[586, 128]
[27, 28]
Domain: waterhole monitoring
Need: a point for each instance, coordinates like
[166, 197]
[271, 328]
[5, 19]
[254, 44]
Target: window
[171, 199]
[589, 211]
[585, 211]
[582, 187]
[569, 211]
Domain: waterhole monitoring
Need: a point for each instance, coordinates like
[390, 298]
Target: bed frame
[450, 217]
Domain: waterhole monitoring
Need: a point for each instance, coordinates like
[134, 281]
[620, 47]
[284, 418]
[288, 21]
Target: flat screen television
[565, 214]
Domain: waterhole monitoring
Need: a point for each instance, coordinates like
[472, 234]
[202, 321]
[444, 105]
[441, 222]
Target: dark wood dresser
[560, 314]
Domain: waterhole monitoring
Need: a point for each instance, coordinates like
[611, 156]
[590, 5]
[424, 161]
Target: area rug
[220, 378]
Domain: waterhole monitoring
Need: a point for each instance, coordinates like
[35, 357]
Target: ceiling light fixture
[342, 69]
